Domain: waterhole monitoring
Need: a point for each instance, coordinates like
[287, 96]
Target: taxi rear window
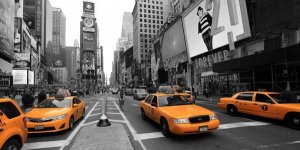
[9, 110]
[245, 96]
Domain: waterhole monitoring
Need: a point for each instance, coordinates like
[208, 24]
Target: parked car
[128, 91]
[55, 114]
[13, 125]
[177, 115]
[139, 94]
[114, 91]
[265, 104]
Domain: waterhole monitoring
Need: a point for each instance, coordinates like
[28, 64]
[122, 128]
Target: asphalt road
[238, 132]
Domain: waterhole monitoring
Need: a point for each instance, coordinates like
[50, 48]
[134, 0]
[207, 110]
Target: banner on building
[22, 61]
[215, 23]
[30, 13]
[7, 13]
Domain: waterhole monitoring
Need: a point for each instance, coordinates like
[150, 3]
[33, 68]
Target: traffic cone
[103, 122]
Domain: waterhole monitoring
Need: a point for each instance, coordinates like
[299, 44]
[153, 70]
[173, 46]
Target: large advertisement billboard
[173, 41]
[22, 61]
[19, 76]
[30, 13]
[7, 13]
[88, 8]
[215, 23]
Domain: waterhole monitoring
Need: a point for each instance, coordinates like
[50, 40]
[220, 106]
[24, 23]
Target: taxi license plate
[39, 127]
[203, 129]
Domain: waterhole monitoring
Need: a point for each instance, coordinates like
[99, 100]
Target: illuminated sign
[19, 76]
[215, 23]
[88, 8]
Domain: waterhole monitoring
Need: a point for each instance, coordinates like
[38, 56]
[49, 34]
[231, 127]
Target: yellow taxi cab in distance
[177, 115]
[265, 104]
[13, 125]
[55, 114]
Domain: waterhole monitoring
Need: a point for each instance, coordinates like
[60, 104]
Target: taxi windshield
[281, 98]
[173, 100]
[55, 103]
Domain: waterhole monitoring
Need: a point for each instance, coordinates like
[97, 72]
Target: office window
[149, 31]
[141, 5]
[145, 25]
[153, 16]
[153, 11]
[161, 8]
[161, 3]
[157, 12]
[145, 5]
[157, 17]
[141, 20]
[141, 30]
[157, 26]
[141, 55]
[157, 7]
[149, 16]
[153, 26]
[149, 11]
[145, 30]
[153, 21]
[146, 51]
[145, 20]
[161, 17]
[149, 21]
[152, 2]
[157, 21]
[140, 10]
[161, 12]
[156, 2]
[141, 15]
[148, 6]
[153, 31]
[141, 35]
[145, 11]
[153, 7]
[141, 25]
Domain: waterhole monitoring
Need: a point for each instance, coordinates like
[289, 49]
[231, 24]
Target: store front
[271, 70]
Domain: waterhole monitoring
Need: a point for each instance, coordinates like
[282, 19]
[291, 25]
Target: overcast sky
[109, 14]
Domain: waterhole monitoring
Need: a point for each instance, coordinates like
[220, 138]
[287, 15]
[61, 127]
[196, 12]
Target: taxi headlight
[181, 121]
[213, 117]
[57, 117]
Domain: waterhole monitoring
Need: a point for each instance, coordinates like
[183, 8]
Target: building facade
[58, 39]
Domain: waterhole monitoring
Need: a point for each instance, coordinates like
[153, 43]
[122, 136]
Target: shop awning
[267, 57]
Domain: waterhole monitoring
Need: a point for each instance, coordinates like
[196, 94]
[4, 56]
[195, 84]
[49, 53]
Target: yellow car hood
[185, 111]
[47, 112]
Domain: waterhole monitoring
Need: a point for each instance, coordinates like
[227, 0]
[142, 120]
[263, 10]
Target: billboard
[22, 61]
[18, 35]
[215, 23]
[173, 41]
[7, 11]
[89, 42]
[88, 24]
[88, 8]
[19, 76]
[29, 14]
[30, 77]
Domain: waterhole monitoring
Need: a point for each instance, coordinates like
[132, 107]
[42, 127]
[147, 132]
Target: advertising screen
[29, 13]
[7, 13]
[19, 76]
[173, 41]
[214, 23]
[88, 7]
[30, 77]
[22, 61]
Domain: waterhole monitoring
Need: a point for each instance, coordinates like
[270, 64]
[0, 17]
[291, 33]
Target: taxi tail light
[25, 120]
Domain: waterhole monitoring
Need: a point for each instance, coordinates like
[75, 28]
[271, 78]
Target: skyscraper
[148, 17]
[59, 39]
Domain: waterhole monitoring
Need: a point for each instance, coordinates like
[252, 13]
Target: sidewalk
[91, 137]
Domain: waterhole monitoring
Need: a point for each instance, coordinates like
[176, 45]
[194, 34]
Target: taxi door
[80, 106]
[75, 109]
[264, 106]
[154, 109]
[244, 102]
[147, 105]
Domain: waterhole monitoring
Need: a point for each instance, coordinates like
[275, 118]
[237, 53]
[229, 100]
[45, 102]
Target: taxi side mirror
[75, 105]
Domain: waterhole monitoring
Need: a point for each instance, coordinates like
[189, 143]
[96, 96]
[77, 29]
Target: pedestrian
[27, 99]
[42, 96]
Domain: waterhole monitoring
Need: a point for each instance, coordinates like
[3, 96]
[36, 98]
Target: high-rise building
[70, 61]
[127, 26]
[148, 17]
[58, 39]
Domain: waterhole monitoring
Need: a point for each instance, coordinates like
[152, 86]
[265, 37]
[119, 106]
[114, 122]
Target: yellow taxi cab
[177, 115]
[55, 114]
[265, 104]
[13, 125]
[176, 89]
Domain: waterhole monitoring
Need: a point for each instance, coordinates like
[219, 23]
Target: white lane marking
[242, 124]
[73, 134]
[113, 108]
[135, 105]
[41, 145]
[152, 135]
[131, 129]
[279, 144]
[95, 114]
[97, 109]
[86, 107]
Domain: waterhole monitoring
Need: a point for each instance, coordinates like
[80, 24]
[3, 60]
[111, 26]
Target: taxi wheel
[71, 123]
[165, 127]
[143, 114]
[231, 110]
[12, 144]
[293, 121]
